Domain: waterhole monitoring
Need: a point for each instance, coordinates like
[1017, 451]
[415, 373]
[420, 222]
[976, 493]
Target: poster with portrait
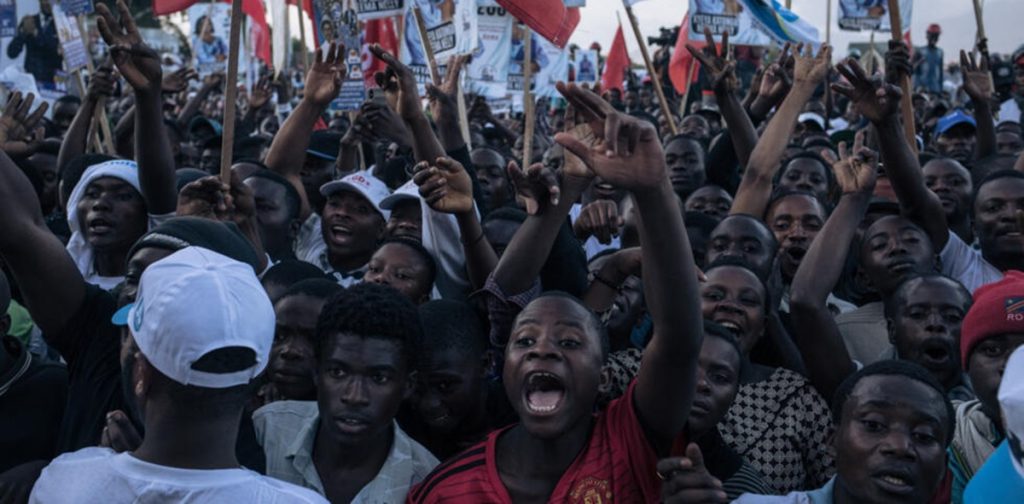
[518, 54]
[338, 21]
[71, 43]
[586, 67]
[857, 15]
[8, 18]
[377, 9]
[723, 16]
[556, 69]
[210, 27]
[488, 72]
[452, 29]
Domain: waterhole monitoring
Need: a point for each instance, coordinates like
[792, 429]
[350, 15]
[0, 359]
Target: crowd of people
[776, 297]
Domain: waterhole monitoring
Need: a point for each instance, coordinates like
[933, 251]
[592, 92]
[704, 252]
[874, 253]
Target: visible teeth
[729, 325]
[894, 480]
[542, 409]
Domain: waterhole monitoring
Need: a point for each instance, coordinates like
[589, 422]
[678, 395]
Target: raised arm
[756, 186]
[446, 187]
[979, 86]
[400, 85]
[50, 283]
[101, 84]
[191, 108]
[880, 103]
[444, 107]
[140, 66]
[288, 151]
[817, 336]
[722, 71]
[626, 153]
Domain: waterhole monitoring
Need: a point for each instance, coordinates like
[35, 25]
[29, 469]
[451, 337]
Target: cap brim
[321, 155]
[120, 317]
[339, 185]
[390, 202]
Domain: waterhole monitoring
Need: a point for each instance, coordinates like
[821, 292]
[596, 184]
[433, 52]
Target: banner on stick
[75, 55]
[338, 21]
[857, 15]
[488, 72]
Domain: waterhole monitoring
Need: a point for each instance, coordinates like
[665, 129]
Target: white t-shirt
[966, 264]
[99, 475]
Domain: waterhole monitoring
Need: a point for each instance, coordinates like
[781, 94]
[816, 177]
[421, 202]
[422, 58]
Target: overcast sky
[1002, 23]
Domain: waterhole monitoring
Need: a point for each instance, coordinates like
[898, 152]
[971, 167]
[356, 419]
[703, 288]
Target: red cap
[998, 308]
[934, 28]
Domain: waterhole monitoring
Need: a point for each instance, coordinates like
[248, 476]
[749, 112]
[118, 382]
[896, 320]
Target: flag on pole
[780, 23]
[377, 31]
[679, 65]
[616, 64]
[551, 20]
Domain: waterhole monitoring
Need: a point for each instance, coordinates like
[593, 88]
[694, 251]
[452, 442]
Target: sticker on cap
[137, 319]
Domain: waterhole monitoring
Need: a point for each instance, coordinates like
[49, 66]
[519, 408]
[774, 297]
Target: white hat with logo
[370, 187]
[196, 301]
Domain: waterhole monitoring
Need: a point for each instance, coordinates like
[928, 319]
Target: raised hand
[442, 99]
[399, 83]
[323, 81]
[208, 198]
[688, 481]
[855, 170]
[875, 99]
[382, 121]
[625, 151]
[977, 78]
[897, 62]
[720, 67]
[101, 82]
[535, 187]
[177, 81]
[137, 62]
[260, 94]
[599, 219]
[119, 434]
[811, 69]
[445, 186]
[20, 131]
[213, 80]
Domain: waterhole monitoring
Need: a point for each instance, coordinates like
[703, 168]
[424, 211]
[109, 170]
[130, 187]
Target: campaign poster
[377, 9]
[556, 69]
[488, 71]
[338, 21]
[451, 29]
[586, 66]
[211, 26]
[8, 18]
[725, 16]
[539, 58]
[76, 7]
[75, 55]
[857, 15]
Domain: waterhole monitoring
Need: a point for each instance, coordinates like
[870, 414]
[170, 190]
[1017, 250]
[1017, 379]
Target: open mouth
[544, 392]
[351, 425]
[730, 325]
[796, 253]
[936, 352]
[898, 482]
[340, 232]
[100, 226]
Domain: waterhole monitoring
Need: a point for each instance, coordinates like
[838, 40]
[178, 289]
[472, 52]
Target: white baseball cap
[193, 302]
[370, 187]
[408, 192]
[812, 117]
[1011, 401]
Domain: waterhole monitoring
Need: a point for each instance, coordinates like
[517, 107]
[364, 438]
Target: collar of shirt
[345, 278]
[393, 480]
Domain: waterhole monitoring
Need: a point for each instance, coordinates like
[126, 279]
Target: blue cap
[954, 118]
[120, 317]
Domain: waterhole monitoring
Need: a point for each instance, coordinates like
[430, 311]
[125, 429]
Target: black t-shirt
[91, 345]
[31, 407]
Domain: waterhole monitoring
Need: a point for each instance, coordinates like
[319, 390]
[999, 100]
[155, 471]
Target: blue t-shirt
[996, 481]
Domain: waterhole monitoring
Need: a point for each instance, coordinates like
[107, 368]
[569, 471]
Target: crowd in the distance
[775, 298]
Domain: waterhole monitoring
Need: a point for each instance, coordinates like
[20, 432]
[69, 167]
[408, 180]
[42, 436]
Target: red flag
[165, 7]
[551, 19]
[378, 31]
[260, 31]
[679, 65]
[616, 64]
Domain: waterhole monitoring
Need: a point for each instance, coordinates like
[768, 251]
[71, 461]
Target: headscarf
[78, 247]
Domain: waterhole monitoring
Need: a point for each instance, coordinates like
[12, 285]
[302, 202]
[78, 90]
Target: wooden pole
[869, 65]
[907, 106]
[428, 49]
[689, 84]
[302, 38]
[650, 69]
[979, 20]
[230, 90]
[463, 115]
[828, 22]
[527, 97]
[99, 115]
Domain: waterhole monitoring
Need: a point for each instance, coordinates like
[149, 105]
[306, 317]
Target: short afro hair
[369, 310]
[780, 194]
[890, 302]
[592, 318]
[316, 288]
[292, 200]
[893, 368]
[991, 177]
[421, 251]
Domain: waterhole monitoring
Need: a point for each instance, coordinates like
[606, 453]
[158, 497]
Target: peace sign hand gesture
[720, 67]
[137, 62]
[855, 170]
